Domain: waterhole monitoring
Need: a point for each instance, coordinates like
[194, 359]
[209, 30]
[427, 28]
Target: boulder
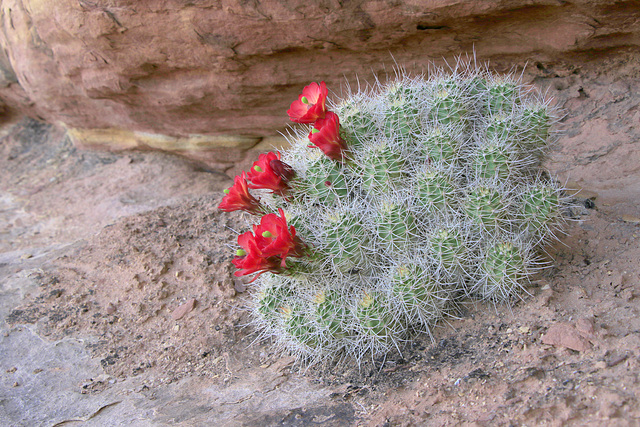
[189, 76]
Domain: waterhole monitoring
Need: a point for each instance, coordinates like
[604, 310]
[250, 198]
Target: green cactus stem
[448, 107]
[504, 271]
[382, 168]
[442, 145]
[448, 248]
[486, 207]
[435, 191]
[419, 296]
[502, 97]
[357, 124]
[324, 181]
[540, 209]
[346, 241]
[331, 312]
[395, 225]
[494, 160]
[375, 319]
[299, 325]
[535, 124]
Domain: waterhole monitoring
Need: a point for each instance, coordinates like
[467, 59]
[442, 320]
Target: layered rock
[189, 76]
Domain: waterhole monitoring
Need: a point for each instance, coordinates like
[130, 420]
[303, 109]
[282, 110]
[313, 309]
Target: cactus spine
[439, 196]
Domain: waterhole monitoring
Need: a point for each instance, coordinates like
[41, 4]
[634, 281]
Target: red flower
[238, 197]
[270, 173]
[267, 248]
[310, 105]
[275, 238]
[250, 259]
[326, 136]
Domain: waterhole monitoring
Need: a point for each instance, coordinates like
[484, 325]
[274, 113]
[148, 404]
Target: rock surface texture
[201, 75]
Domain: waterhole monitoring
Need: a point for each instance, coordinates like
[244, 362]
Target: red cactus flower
[250, 259]
[275, 238]
[310, 105]
[237, 197]
[270, 173]
[326, 136]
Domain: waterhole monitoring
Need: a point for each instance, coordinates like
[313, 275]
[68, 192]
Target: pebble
[182, 310]
[564, 335]
[600, 364]
[111, 308]
[585, 328]
[631, 219]
[239, 286]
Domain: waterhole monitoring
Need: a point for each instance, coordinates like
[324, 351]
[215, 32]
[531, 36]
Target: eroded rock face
[191, 75]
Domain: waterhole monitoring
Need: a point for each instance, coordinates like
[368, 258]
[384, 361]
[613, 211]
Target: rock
[183, 309]
[189, 76]
[565, 335]
[632, 219]
[239, 286]
[111, 308]
[585, 328]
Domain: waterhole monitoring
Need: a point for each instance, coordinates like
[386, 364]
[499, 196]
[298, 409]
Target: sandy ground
[119, 307]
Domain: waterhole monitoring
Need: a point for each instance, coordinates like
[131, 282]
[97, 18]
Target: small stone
[111, 308]
[16, 384]
[564, 335]
[26, 256]
[239, 286]
[585, 328]
[626, 294]
[614, 358]
[102, 378]
[631, 219]
[600, 365]
[524, 329]
[182, 310]
[11, 370]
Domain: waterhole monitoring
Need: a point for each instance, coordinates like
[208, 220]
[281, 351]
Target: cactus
[427, 191]
[503, 269]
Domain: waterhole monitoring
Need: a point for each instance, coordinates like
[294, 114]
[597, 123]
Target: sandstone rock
[170, 75]
[565, 335]
[183, 309]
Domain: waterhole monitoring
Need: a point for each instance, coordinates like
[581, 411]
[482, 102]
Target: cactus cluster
[394, 204]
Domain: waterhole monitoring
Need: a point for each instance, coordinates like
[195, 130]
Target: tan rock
[183, 309]
[565, 335]
[122, 139]
[633, 219]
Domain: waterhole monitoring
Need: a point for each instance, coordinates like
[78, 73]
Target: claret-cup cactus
[391, 206]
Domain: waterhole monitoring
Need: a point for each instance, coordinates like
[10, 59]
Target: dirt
[129, 252]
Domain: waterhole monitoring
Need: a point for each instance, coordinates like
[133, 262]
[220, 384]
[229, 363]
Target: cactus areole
[391, 205]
